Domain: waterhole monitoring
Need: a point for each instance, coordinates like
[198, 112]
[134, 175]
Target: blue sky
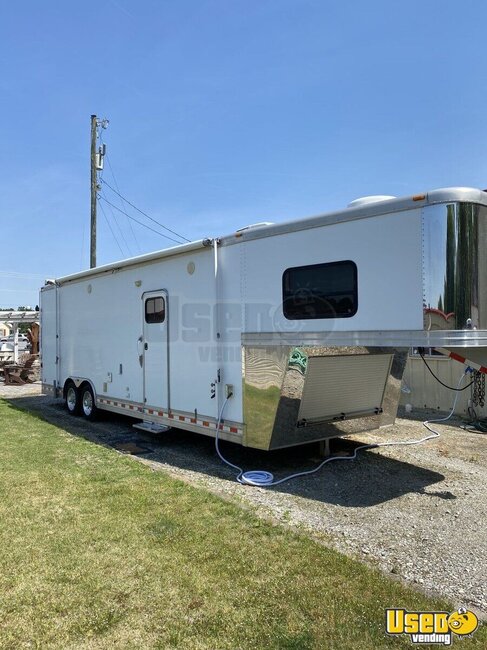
[224, 113]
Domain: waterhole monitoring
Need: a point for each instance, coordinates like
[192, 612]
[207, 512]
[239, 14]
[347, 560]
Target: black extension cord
[420, 352]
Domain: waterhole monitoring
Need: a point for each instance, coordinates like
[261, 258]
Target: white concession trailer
[304, 325]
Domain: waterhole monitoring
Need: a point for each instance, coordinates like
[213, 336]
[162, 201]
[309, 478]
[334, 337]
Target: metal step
[151, 427]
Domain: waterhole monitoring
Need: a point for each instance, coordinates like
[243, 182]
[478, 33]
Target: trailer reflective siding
[455, 267]
[296, 395]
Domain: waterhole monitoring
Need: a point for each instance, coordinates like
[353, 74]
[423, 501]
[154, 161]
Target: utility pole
[96, 166]
[93, 193]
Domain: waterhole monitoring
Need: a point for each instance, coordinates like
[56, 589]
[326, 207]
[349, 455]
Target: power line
[120, 229]
[121, 203]
[99, 131]
[139, 222]
[111, 230]
[144, 213]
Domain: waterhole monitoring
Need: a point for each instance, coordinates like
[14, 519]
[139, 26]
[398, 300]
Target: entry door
[155, 346]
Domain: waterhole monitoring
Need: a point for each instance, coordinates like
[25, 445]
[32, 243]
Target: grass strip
[99, 551]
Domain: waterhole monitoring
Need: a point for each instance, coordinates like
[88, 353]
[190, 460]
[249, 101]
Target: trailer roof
[131, 261]
[444, 195]
[354, 213]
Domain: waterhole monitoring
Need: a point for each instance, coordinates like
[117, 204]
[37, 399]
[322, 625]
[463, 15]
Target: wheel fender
[78, 382]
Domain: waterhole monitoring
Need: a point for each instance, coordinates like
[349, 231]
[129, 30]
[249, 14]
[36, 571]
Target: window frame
[155, 313]
[321, 265]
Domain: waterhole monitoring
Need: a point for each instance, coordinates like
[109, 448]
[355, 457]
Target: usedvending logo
[431, 627]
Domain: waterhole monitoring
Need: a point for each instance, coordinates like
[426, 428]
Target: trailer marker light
[419, 197]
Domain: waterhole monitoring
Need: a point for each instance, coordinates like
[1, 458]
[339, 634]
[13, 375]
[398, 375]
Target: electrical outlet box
[228, 390]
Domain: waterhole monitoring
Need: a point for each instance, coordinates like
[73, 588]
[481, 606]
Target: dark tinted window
[155, 310]
[320, 291]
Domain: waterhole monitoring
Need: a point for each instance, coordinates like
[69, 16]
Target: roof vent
[261, 224]
[365, 200]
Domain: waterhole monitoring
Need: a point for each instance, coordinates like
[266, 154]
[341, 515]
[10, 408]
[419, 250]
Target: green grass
[99, 551]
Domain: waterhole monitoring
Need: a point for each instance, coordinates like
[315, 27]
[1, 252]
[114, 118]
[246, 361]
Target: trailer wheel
[88, 402]
[72, 399]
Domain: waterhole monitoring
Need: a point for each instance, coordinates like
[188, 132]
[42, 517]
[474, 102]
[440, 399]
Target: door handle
[139, 351]
[146, 346]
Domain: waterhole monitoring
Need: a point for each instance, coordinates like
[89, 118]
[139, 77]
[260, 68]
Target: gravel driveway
[417, 512]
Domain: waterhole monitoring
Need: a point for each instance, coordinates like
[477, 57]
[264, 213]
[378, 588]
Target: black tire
[88, 403]
[72, 399]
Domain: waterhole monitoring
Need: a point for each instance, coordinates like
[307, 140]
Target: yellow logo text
[431, 627]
